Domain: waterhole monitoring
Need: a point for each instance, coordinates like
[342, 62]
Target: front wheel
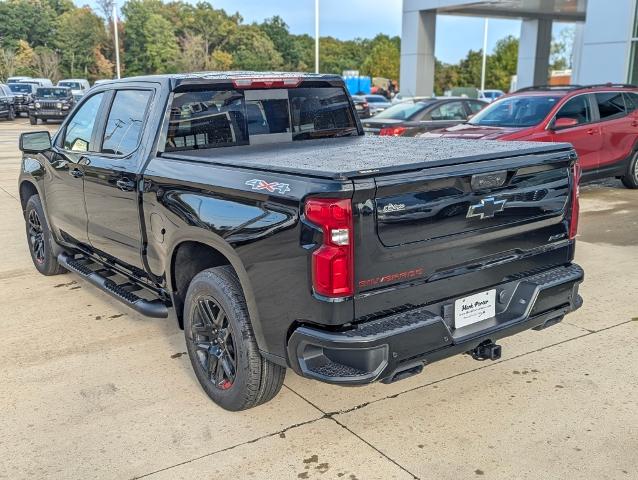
[221, 343]
[12, 113]
[630, 180]
[40, 240]
[33, 120]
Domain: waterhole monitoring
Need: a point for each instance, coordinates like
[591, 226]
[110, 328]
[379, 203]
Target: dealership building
[605, 46]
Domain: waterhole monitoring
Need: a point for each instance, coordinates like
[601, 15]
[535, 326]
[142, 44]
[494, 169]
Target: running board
[149, 308]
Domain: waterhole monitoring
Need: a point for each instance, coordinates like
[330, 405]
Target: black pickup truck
[251, 208]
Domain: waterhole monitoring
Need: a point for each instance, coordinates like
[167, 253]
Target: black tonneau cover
[362, 156]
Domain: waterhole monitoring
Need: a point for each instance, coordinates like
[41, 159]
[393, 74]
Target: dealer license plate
[473, 309]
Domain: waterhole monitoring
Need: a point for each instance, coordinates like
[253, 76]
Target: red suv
[600, 121]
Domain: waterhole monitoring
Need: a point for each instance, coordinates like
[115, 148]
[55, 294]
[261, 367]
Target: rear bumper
[399, 345]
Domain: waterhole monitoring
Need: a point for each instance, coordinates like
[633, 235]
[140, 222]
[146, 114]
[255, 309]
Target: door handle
[591, 131]
[76, 173]
[125, 184]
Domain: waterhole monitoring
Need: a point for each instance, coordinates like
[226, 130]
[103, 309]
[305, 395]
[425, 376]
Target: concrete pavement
[90, 389]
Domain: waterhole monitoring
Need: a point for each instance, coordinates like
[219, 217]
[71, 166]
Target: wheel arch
[197, 251]
[27, 189]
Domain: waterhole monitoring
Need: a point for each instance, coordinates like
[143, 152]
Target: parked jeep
[50, 103]
[23, 93]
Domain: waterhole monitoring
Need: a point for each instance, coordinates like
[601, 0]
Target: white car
[78, 86]
[490, 95]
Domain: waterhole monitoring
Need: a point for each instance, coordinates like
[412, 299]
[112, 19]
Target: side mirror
[35, 142]
[561, 123]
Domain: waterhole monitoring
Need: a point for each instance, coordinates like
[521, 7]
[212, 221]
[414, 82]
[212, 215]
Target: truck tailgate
[444, 232]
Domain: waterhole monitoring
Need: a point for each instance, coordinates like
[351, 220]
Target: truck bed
[361, 156]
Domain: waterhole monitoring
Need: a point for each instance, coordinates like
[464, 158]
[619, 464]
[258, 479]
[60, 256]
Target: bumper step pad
[121, 292]
[398, 345]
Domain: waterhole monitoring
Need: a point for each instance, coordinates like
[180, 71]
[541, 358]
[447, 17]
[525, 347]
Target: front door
[64, 186]
[585, 136]
[112, 179]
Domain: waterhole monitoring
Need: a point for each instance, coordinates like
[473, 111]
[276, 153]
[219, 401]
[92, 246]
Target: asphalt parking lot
[90, 389]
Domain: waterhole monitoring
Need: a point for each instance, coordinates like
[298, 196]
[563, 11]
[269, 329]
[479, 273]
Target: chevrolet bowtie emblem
[486, 208]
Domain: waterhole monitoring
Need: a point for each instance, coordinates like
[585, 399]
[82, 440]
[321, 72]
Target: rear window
[404, 111]
[72, 85]
[225, 118]
[516, 111]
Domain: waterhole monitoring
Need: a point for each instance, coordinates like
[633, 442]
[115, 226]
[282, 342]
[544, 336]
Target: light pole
[316, 36]
[117, 41]
[485, 27]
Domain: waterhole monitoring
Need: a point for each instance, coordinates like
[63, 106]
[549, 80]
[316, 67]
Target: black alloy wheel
[213, 340]
[36, 237]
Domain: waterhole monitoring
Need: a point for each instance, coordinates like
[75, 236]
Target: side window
[610, 105]
[475, 107]
[79, 130]
[449, 111]
[631, 100]
[577, 108]
[125, 121]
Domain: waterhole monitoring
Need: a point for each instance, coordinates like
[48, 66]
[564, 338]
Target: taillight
[573, 221]
[332, 262]
[392, 131]
[287, 82]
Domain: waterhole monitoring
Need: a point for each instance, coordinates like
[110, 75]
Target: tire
[33, 120]
[221, 343]
[630, 180]
[39, 239]
[12, 114]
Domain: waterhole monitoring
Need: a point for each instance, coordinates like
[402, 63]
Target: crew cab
[251, 209]
[600, 121]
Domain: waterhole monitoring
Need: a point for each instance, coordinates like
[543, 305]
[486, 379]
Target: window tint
[577, 108]
[126, 118]
[631, 101]
[79, 130]
[610, 105]
[225, 118]
[207, 119]
[449, 111]
[476, 107]
[404, 110]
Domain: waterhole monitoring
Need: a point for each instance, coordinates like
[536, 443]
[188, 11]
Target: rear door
[618, 131]
[443, 232]
[445, 115]
[585, 136]
[112, 180]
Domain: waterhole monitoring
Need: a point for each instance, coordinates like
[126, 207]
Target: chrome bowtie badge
[486, 208]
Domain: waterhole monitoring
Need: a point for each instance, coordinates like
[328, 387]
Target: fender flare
[206, 237]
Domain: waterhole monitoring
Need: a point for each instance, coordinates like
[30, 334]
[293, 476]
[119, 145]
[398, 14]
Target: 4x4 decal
[258, 184]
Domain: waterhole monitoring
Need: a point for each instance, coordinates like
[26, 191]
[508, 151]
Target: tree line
[56, 39]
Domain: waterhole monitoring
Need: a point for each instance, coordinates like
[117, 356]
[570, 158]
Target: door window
[125, 121]
[79, 130]
[610, 105]
[577, 109]
[631, 101]
[475, 107]
[449, 111]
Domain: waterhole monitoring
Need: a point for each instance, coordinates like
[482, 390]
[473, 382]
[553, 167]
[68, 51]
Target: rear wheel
[630, 180]
[40, 240]
[221, 343]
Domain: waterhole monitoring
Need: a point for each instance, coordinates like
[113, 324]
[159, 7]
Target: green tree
[290, 46]
[383, 59]
[32, 21]
[253, 50]
[80, 32]
[162, 49]
[136, 13]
